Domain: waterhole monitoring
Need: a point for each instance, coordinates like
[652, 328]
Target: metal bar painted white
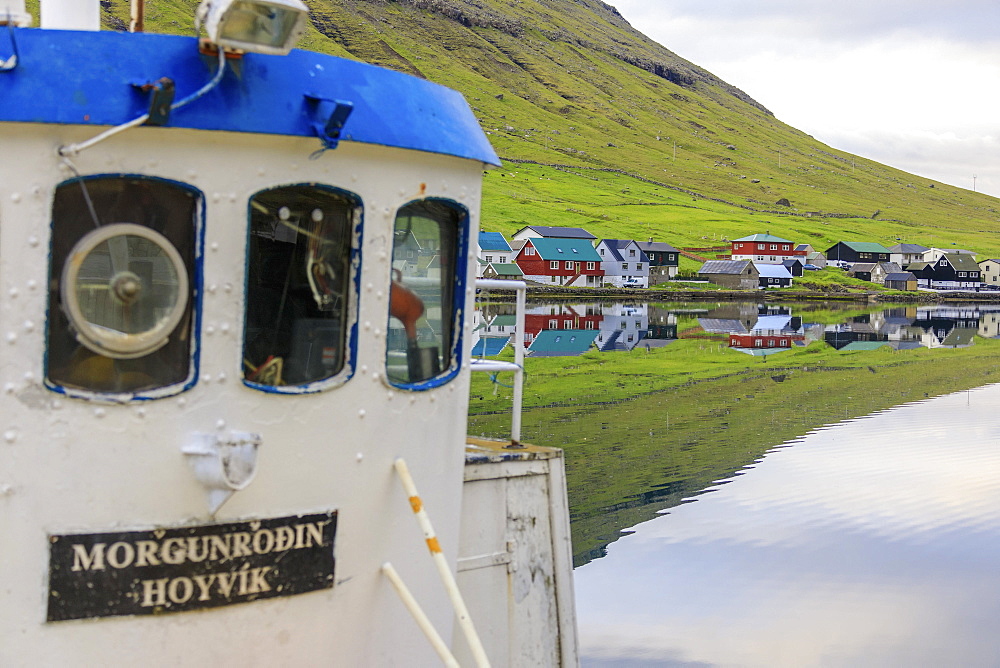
[483, 561]
[515, 430]
[71, 14]
[419, 616]
[461, 611]
[517, 340]
[492, 365]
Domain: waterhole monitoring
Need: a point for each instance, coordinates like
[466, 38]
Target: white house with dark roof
[547, 232]
[904, 254]
[932, 255]
[624, 263]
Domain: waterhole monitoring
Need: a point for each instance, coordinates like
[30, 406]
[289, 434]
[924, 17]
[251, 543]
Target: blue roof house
[493, 248]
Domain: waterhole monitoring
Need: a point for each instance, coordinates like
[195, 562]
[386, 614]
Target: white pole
[517, 339]
[418, 615]
[515, 427]
[464, 621]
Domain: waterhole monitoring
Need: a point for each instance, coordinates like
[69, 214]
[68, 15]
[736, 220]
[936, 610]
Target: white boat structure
[236, 280]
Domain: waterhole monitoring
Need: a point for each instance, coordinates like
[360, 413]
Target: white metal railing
[517, 340]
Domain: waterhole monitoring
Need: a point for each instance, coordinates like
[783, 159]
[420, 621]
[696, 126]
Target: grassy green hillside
[600, 127]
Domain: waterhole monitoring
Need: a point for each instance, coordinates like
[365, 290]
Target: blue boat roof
[92, 78]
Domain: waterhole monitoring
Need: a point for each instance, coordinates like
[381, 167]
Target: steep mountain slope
[601, 127]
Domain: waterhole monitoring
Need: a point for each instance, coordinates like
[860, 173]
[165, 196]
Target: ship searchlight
[259, 26]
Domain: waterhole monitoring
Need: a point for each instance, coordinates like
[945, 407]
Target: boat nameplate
[188, 568]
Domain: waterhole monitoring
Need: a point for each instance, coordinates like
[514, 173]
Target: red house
[766, 248]
[560, 262]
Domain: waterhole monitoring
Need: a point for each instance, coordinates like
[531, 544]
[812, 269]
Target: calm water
[760, 523]
[873, 542]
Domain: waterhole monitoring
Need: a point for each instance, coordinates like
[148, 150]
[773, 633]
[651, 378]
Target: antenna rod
[138, 16]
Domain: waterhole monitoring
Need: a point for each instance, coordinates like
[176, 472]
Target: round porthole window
[125, 289]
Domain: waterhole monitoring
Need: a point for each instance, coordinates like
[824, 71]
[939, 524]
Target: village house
[492, 248]
[547, 232]
[846, 253]
[904, 254]
[874, 272]
[773, 275]
[902, 280]
[795, 267]
[812, 256]
[764, 249]
[624, 263]
[663, 260]
[571, 262]
[990, 271]
[934, 254]
[951, 271]
[732, 274]
[503, 271]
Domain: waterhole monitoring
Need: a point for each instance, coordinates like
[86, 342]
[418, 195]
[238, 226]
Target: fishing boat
[236, 284]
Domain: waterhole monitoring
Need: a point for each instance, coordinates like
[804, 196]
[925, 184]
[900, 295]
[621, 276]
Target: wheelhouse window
[122, 286]
[301, 263]
[425, 293]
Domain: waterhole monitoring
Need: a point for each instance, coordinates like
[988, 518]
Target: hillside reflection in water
[869, 543]
[707, 530]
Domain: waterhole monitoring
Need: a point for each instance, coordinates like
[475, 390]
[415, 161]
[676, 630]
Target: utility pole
[973, 183]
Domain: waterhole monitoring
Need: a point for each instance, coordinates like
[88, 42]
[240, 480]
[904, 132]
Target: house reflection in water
[750, 328]
[912, 327]
[572, 329]
[555, 330]
[623, 326]
[759, 330]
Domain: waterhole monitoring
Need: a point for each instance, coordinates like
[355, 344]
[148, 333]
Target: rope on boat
[419, 616]
[462, 612]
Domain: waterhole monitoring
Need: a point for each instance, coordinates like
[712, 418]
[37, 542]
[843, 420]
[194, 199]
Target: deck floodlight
[259, 26]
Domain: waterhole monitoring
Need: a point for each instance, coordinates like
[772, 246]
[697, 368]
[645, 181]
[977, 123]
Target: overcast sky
[910, 83]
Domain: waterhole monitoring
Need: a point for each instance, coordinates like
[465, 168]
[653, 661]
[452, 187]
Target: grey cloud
[848, 20]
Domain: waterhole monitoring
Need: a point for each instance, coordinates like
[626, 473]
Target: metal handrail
[518, 342]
